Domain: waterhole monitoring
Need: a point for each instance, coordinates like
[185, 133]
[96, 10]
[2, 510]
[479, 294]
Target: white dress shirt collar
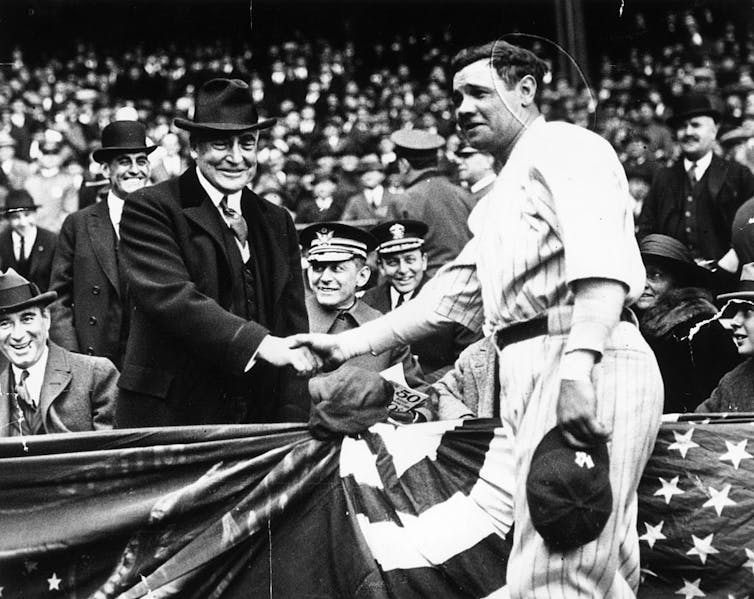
[36, 377]
[115, 210]
[234, 202]
[701, 165]
[29, 238]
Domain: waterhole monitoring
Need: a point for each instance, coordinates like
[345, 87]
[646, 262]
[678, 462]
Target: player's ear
[527, 89]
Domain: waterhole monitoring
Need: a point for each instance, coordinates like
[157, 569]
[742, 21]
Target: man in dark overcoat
[215, 278]
[696, 198]
[25, 247]
[430, 197]
[91, 313]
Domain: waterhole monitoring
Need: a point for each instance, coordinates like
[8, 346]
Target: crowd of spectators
[337, 106]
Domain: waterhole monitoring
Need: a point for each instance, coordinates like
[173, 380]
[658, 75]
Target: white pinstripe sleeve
[453, 295]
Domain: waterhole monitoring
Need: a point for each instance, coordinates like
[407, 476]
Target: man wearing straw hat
[45, 388]
[215, 278]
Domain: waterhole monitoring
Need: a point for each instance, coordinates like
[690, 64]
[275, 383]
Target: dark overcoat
[87, 316]
[40, 257]
[722, 189]
[191, 339]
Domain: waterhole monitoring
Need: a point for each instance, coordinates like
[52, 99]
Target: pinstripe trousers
[630, 395]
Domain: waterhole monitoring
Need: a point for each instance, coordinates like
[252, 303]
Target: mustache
[689, 138]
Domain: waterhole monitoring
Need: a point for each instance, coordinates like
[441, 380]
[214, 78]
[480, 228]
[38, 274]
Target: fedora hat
[671, 254]
[16, 293]
[224, 106]
[19, 200]
[696, 104]
[122, 137]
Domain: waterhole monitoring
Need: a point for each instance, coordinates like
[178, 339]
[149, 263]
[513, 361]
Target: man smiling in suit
[45, 388]
[91, 315]
[215, 277]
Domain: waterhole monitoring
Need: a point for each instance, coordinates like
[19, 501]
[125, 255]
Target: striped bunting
[433, 504]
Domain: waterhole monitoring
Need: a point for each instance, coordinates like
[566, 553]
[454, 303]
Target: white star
[584, 460]
[1, 591]
[653, 534]
[750, 562]
[54, 582]
[719, 499]
[702, 547]
[683, 442]
[736, 452]
[690, 589]
[668, 488]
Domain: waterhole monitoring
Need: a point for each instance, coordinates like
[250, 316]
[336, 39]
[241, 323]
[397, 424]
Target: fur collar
[679, 306]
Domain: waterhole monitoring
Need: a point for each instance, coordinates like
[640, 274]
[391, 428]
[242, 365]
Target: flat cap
[417, 140]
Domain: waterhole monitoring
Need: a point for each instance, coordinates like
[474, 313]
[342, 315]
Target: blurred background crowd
[340, 94]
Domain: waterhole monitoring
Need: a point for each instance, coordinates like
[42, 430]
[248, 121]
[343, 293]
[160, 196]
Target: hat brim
[43, 299]
[108, 153]
[692, 274]
[744, 296]
[676, 120]
[6, 211]
[223, 127]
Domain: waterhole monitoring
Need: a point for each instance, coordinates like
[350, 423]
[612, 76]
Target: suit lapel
[102, 237]
[716, 176]
[200, 210]
[56, 378]
[678, 183]
[266, 247]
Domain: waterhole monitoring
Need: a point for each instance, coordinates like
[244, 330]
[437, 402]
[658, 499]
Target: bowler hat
[224, 106]
[696, 104]
[568, 492]
[19, 200]
[122, 137]
[675, 257]
[16, 293]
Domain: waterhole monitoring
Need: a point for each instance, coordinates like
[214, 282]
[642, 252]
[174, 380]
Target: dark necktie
[342, 323]
[22, 251]
[401, 299]
[26, 410]
[235, 221]
[692, 175]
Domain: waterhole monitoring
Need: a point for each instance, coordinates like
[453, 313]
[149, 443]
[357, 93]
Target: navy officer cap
[399, 236]
[416, 142]
[335, 242]
[568, 492]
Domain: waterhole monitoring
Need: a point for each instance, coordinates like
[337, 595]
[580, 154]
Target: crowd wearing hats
[341, 105]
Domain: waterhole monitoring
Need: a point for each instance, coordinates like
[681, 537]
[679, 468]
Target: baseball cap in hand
[568, 491]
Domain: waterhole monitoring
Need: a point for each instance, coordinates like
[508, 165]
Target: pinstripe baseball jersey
[559, 213]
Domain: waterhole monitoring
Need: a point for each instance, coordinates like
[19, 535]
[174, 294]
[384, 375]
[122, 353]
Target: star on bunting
[683, 442]
[690, 589]
[54, 582]
[584, 460]
[702, 547]
[668, 489]
[736, 452]
[719, 499]
[653, 534]
[30, 566]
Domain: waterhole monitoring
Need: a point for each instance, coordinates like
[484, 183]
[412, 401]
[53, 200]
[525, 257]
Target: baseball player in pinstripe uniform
[551, 266]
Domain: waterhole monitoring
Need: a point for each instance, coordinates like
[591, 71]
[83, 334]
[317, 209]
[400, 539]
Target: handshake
[307, 353]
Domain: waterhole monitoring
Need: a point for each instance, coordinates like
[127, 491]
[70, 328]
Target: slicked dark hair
[511, 62]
